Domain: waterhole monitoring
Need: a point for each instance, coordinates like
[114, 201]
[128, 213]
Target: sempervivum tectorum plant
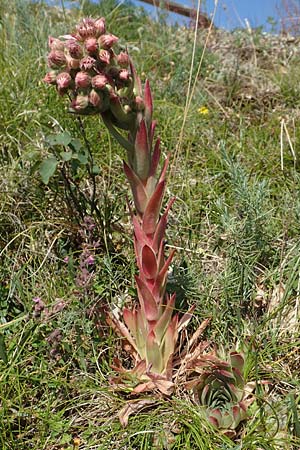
[85, 66]
[222, 391]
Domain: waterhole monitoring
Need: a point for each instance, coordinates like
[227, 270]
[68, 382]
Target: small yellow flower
[203, 110]
[76, 443]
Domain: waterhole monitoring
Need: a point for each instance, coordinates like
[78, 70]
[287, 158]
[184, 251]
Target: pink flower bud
[63, 80]
[50, 77]
[100, 26]
[72, 63]
[139, 103]
[55, 44]
[106, 41]
[86, 28]
[124, 75]
[99, 81]
[91, 45]
[75, 49]
[123, 59]
[95, 99]
[80, 103]
[104, 56]
[82, 80]
[56, 58]
[87, 63]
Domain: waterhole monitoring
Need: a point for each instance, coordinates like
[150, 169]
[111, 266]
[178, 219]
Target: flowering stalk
[99, 81]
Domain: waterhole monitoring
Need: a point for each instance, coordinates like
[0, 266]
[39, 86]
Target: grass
[235, 225]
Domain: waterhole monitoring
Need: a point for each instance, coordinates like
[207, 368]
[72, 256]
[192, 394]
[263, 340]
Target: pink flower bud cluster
[85, 66]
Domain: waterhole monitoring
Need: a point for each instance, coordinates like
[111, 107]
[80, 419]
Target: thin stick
[290, 142]
[186, 11]
[190, 95]
[283, 129]
[281, 144]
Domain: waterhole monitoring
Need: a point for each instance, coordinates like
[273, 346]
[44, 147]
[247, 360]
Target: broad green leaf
[82, 158]
[75, 145]
[47, 168]
[96, 170]
[66, 156]
[63, 138]
[51, 139]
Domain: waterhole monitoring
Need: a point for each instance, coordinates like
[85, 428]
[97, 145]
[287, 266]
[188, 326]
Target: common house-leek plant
[98, 80]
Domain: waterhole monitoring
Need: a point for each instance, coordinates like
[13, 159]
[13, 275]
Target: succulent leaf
[163, 322]
[147, 301]
[160, 281]
[149, 265]
[137, 80]
[152, 210]
[153, 354]
[148, 103]
[142, 152]
[138, 190]
[161, 227]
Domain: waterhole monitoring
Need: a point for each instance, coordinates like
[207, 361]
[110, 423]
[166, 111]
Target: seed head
[96, 100]
[63, 80]
[80, 103]
[124, 75]
[72, 63]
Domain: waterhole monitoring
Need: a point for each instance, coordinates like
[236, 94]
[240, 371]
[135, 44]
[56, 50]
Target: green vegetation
[66, 247]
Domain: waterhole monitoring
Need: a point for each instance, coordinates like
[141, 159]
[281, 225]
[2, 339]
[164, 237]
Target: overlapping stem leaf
[151, 324]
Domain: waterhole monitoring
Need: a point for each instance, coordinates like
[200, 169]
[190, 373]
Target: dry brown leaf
[133, 407]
